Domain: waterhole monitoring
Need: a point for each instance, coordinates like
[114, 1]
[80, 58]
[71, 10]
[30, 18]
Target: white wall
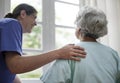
[4, 7]
[112, 10]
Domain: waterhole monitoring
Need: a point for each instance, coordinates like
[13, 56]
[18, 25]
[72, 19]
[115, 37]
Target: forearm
[20, 64]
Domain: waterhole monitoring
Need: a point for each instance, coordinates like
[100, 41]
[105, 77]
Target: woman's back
[101, 65]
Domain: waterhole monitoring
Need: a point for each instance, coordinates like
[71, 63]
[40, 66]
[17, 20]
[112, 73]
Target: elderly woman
[102, 63]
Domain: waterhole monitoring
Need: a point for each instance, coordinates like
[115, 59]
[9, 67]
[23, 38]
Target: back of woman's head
[16, 12]
[92, 22]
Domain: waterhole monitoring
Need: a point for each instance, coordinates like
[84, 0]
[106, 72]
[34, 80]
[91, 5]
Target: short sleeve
[11, 37]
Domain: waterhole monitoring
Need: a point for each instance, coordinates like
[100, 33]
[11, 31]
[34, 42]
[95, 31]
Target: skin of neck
[87, 39]
[22, 22]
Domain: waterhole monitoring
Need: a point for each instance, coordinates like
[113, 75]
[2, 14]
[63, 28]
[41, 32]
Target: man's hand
[72, 52]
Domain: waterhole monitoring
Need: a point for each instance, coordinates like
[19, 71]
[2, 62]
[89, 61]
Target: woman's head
[26, 14]
[91, 22]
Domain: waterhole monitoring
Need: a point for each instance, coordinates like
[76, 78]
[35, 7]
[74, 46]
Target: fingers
[78, 55]
[72, 52]
[79, 52]
[75, 58]
[78, 47]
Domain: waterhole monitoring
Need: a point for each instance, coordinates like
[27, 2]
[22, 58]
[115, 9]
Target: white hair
[92, 22]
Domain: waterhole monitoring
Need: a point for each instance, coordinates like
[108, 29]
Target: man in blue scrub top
[10, 41]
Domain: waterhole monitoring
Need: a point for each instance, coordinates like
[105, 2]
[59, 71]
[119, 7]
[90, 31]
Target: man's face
[27, 21]
[30, 22]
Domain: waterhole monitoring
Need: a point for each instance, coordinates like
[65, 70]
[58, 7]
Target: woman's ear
[77, 33]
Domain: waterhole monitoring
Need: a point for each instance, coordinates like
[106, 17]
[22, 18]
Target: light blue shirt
[101, 65]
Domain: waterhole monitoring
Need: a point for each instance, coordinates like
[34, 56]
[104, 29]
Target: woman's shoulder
[96, 45]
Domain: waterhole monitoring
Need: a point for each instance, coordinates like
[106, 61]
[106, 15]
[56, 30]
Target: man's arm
[21, 64]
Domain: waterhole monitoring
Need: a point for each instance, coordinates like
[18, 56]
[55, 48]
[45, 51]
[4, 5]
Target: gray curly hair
[92, 22]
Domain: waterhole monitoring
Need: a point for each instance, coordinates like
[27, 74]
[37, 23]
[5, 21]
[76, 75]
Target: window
[65, 14]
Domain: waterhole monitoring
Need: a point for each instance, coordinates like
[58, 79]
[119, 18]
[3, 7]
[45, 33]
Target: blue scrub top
[10, 40]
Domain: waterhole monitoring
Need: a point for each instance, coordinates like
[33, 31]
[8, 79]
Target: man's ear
[23, 14]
